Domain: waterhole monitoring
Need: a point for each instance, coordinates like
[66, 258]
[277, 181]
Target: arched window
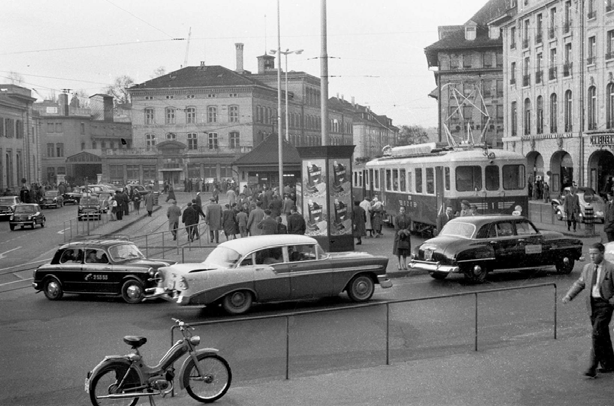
[540, 115]
[592, 107]
[553, 113]
[527, 116]
[568, 112]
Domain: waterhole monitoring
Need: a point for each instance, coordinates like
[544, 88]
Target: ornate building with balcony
[561, 115]
[467, 61]
[19, 154]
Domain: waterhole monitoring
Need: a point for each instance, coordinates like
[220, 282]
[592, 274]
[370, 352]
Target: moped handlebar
[182, 324]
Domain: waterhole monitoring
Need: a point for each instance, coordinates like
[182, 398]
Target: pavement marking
[19, 281]
[6, 252]
[62, 231]
[27, 263]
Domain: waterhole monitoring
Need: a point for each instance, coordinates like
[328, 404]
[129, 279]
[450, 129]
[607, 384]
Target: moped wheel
[108, 382]
[214, 384]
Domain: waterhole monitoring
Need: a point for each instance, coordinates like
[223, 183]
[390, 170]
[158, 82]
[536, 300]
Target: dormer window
[470, 32]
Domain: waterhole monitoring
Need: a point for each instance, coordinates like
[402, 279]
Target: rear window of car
[25, 209]
[458, 229]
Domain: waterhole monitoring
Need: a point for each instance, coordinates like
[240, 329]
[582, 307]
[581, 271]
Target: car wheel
[565, 267]
[475, 273]
[12, 226]
[43, 223]
[132, 292]
[438, 275]
[237, 302]
[53, 289]
[361, 288]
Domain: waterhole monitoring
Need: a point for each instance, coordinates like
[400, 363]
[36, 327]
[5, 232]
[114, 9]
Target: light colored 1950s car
[271, 268]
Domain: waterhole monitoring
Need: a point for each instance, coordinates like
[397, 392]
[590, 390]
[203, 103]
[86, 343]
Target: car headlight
[183, 284]
[12, 218]
[30, 217]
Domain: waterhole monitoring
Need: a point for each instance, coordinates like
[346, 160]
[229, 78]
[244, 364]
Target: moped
[122, 379]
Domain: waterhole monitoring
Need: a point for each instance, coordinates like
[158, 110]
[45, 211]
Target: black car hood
[148, 262]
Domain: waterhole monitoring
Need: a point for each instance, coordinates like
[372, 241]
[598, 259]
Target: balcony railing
[551, 32]
[567, 69]
[552, 73]
[538, 76]
[526, 80]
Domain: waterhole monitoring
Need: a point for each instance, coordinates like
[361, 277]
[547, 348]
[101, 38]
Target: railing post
[163, 245]
[183, 255]
[387, 333]
[146, 246]
[555, 310]
[476, 321]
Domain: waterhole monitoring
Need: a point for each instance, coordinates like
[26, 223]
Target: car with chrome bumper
[27, 214]
[477, 245]
[113, 267]
[90, 208]
[52, 198]
[271, 268]
[7, 206]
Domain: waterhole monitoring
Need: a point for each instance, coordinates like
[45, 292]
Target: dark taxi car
[52, 198]
[27, 214]
[271, 268]
[90, 207]
[7, 205]
[477, 245]
[102, 267]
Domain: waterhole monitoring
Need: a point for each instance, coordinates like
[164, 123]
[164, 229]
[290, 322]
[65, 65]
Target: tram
[426, 178]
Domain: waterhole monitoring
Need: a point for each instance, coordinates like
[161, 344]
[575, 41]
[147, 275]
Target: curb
[133, 220]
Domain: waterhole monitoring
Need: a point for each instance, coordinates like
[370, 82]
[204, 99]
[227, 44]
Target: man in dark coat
[571, 205]
[275, 205]
[213, 217]
[255, 217]
[359, 218]
[229, 222]
[190, 219]
[296, 222]
[268, 225]
[198, 208]
[608, 218]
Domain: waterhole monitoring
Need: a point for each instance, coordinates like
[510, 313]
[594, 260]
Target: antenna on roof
[187, 49]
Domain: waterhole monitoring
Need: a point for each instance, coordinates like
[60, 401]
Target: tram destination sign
[602, 140]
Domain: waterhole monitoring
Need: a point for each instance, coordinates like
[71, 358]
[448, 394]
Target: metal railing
[288, 316]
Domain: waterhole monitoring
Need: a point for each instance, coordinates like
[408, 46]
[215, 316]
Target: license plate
[87, 385]
[428, 255]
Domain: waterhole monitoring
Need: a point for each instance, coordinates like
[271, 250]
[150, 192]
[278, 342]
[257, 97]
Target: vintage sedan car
[102, 267]
[7, 206]
[135, 188]
[477, 245]
[75, 196]
[586, 197]
[27, 214]
[271, 268]
[90, 207]
[52, 198]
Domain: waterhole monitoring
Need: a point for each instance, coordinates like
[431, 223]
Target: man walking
[190, 219]
[296, 222]
[173, 213]
[268, 225]
[255, 217]
[149, 202]
[608, 218]
[213, 218]
[598, 277]
[571, 206]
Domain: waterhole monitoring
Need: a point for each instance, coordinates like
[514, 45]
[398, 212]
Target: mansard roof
[199, 76]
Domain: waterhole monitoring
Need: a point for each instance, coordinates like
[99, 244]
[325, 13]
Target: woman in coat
[402, 244]
[359, 219]
[229, 222]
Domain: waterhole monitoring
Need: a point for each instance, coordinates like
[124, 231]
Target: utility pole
[324, 78]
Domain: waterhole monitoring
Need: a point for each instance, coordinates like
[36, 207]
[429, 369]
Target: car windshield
[222, 257]
[89, 201]
[25, 209]
[123, 252]
[51, 193]
[458, 229]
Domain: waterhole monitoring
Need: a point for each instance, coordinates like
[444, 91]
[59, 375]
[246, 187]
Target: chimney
[101, 106]
[266, 63]
[239, 48]
[63, 103]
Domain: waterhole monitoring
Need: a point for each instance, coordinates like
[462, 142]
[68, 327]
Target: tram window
[430, 181]
[468, 178]
[492, 177]
[513, 177]
[402, 184]
[447, 178]
[418, 180]
[410, 185]
[388, 179]
[369, 180]
[395, 180]
[376, 179]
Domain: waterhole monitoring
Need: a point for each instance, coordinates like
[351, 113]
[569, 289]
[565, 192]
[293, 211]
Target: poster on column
[340, 197]
[314, 193]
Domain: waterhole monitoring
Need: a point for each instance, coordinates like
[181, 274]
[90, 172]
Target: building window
[94, 145]
[552, 28]
[210, 170]
[526, 37]
[18, 130]
[190, 115]
[591, 13]
[234, 139]
[610, 106]
[513, 38]
[526, 74]
[58, 128]
[192, 141]
[212, 114]
[610, 45]
[527, 116]
[103, 144]
[568, 112]
[149, 116]
[171, 136]
[50, 150]
[150, 140]
[132, 172]
[539, 71]
[116, 173]
[540, 115]
[233, 114]
[592, 108]
[488, 60]
[567, 21]
[513, 73]
[59, 149]
[51, 175]
[212, 141]
[514, 119]
[568, 64]
[82, 128]
[170, 115]
[50, 128]
[592, 50]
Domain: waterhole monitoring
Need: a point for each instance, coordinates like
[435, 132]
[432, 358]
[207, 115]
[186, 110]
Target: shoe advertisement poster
[340, 197]
[314, 202]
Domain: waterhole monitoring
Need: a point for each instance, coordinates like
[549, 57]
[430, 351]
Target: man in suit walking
[571, 206]
[598, 277]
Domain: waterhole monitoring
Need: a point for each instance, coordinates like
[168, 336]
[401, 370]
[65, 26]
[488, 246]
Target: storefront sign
[546, 136]
[602, 140]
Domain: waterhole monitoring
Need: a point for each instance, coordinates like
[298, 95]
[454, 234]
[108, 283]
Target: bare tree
[158, 72]
[413, 134]
[119, 89]
[15, 78]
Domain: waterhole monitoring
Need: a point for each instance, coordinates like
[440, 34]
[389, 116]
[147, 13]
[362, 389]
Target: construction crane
[187, 49]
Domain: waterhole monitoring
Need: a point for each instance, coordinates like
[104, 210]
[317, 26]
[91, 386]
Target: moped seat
[135, 341]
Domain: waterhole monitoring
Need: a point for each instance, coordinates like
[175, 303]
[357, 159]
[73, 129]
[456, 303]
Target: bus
[426, 178]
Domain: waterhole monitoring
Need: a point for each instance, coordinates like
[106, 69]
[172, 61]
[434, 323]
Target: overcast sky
[376, 48]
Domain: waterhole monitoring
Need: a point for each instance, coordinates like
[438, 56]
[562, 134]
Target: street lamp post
[285, 54]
